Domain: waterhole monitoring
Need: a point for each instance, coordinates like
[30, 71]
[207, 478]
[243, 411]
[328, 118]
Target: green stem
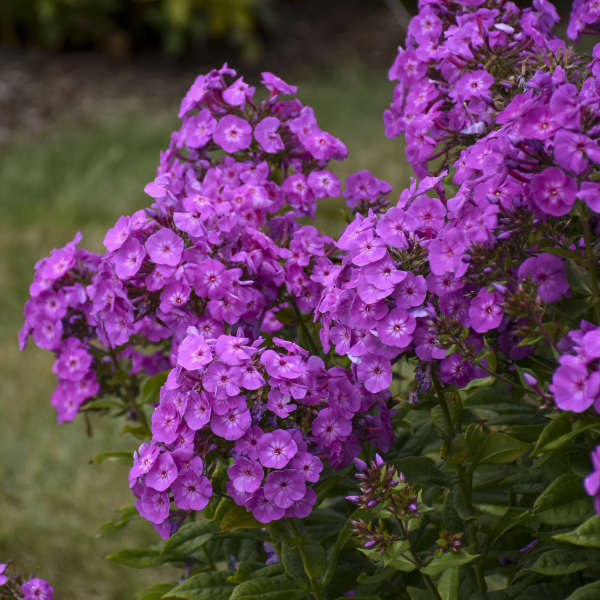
[314, 586]
[426, 578]
[463, 484]
[592, 263]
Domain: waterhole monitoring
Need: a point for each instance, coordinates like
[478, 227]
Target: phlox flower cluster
[466, 264]
[194, 284]
[31, 589]
[276, 411]
[215, 248]
[461, 61]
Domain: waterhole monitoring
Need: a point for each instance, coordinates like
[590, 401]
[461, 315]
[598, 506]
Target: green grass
[82, 176]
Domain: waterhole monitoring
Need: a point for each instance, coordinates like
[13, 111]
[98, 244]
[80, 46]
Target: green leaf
[560, 431]
[268, 588]
[151, 388]
[398, 556]
[563, 502]
[420, 469]
[155, 592]
[190, 537]
[591, 591]
[125, 458]
[142, 558]
[418, 593]
[480, 382]
[292, 563]
[587, 534]
[204, 586]
[128, 513]
[246, 569]
[448, 584]
[333, 554]
[237, 517]
[448, 560]
[561, 561]
[377, 577]
[499, 448]
[101, 404]
[141, 432]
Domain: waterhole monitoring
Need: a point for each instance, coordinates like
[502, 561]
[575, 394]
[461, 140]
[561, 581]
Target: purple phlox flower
[396, 328]
[394, 226]
[248, 444]
[198, 411]
[592, 481]
[375, 372]
[367, 249]
[590, 194]
[539, 123]
[198, 129]
[282, 366]
[246, 475]
[117, 235]
[283, 488]
[162, 473]
[37, 589]
[219, 380]
[474, 84]
[175, 295]
[572, 386]
[143, 460]
[263, 509]
[411, 291]
[445, 254]
[329, 426]
[237, 93]
[548, 271]
[553, 192]
[194, 352]
[277, 85]
[571, 151]
[308, 464]
[280, 404]
[128, 258]
[164, 247]
[428, 213]
[233, 133]
[324, 184]
[153, 506]
[266, 135]
[191, 491]
[233, 350]
[363, 185]
[276, 449]
[485, 312]
[74, 360]
[165, 423]
[301, 508]
[234, 423]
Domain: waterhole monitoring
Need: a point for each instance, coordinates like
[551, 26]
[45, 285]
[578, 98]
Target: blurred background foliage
[176, 27]
[120, 26]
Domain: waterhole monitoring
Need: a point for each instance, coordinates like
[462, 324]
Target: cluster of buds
[373, 539]
[378, 482]
[450, 542]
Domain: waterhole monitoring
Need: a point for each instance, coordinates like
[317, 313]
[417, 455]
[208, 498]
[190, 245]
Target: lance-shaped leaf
[587, 534]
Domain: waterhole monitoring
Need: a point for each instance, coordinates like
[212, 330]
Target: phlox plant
[410, 411]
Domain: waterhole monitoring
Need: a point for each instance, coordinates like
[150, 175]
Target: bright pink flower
[164, 247]
[233, 134]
